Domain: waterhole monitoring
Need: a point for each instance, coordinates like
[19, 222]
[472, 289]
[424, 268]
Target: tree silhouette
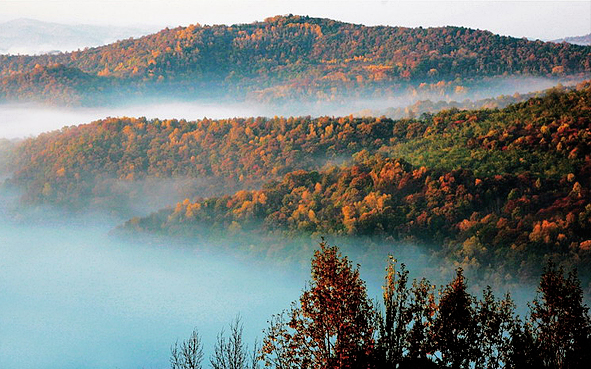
[494, 319]
[423, 308]
[232, 352]
[394, 321]
[187, 355]
[454, 329]
[560, 320]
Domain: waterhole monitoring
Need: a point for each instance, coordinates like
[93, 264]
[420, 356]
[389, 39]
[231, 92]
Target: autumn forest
[462, 187]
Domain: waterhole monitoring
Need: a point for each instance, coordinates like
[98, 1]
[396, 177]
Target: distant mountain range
[29, 36]
[576, 40]
[284, 58]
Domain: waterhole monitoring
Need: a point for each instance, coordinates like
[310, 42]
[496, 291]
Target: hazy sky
[532, 19]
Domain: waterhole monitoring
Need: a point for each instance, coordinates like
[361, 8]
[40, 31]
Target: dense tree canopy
[490, 185]
[287, 57]
[331, 326]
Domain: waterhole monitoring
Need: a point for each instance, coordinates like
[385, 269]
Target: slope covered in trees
[70, 165]
[544, 137]
[295, 56]
[508, 186]
[510, 220]
[60, 84]
[493, 187]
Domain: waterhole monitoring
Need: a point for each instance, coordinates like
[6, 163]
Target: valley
[209, 174]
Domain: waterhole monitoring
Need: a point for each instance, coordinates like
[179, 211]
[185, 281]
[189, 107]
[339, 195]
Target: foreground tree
[494, 321]
[394, 322]
[188, 354]
[560, 320]
[523, 353]
[232, 352]
[332, 326]
[423, 308]
[454, 328]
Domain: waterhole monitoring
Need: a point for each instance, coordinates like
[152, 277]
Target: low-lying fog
[21, 120]
[71, 296]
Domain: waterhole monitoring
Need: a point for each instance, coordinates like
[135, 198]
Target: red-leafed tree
[332, 326]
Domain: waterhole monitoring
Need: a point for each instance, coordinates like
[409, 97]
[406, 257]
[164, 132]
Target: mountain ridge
[34, 37]
[290, 57]
[584, 40]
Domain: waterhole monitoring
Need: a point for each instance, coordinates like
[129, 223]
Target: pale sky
[533, 19]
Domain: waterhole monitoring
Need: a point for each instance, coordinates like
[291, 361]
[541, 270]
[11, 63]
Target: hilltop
[577, 40]
[290, 57]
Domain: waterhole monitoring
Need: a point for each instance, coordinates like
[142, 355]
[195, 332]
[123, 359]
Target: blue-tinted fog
[73, 297]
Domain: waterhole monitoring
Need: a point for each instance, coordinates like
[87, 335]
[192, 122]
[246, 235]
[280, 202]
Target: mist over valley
[80, 297]
[356, 196]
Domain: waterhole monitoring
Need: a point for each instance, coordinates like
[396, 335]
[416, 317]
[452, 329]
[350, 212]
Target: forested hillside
[292, 57]
[543, 136]
[508, 186]
[494, 187]
[69, 166]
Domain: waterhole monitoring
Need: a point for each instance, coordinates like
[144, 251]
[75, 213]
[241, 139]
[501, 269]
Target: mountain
[72, 165]
[490, 186]
[294, 57]
[29, 36]
[502, 189]
[576, 40]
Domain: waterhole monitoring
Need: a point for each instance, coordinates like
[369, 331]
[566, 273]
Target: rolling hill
[576, 40]
[293, 57]
[495, 190]
[504, 185]
[34, 37]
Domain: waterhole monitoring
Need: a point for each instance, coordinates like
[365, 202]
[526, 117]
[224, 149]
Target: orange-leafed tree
[332, 324]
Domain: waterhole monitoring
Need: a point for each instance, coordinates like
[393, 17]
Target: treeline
[509, 221]
[335, 325]
[294, 56]
[432, 107]
[546, 136]
[57, 83]
[70, 166]
[488, 187]
[65, 166]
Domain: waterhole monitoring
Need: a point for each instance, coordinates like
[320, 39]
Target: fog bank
[22, 120]
[73, 297]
